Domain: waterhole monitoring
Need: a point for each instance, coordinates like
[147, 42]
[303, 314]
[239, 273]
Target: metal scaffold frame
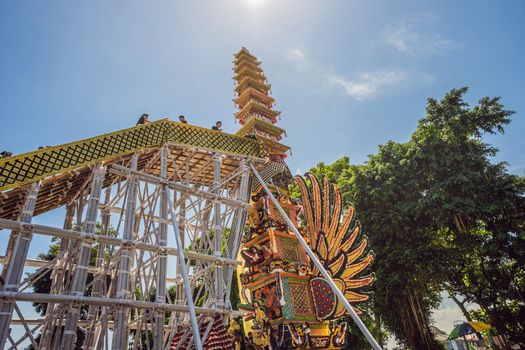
[138, 259]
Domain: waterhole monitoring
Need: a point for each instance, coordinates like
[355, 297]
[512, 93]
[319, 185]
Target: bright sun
[255, 2]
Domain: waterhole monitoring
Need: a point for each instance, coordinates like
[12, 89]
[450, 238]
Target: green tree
[43, 285]
[481, 207]
[441, 215]
[408, 259]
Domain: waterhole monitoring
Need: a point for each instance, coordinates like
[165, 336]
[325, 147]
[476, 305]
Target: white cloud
[408, 37]
[363, 85]
[448, 313]
[307, 73]
[295, 54]
[370, 84]
[444, 318]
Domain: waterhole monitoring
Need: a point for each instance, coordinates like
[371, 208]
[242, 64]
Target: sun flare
[255, 2]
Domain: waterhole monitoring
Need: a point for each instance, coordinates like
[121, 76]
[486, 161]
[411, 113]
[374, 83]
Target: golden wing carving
[336, 239]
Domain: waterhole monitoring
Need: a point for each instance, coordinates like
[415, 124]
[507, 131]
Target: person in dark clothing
[144, 119]
[182, 119]
[5, 154]
[217, 126]
[308, 337]
[249, 343]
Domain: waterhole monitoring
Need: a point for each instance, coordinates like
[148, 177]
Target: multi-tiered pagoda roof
[255, 105]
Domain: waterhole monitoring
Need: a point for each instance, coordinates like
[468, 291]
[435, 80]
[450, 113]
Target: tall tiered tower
[179, 196]
[256, 114]
[275, 288]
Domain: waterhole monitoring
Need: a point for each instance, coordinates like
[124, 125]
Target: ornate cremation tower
[154, 218]
[286, 299]
[256, 114]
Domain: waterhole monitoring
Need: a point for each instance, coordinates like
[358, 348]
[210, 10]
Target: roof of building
[255, 123]
[238, 66]
[259, 75]
[254, 106]
[65, 170]
[244, 52]
[247, 81]
[254, 94]
[279, 147]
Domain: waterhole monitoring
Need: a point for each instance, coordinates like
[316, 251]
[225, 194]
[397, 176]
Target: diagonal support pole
[184, 272]
[318, 264]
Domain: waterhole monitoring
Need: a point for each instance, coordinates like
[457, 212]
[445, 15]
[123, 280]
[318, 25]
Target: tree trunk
[416, 324]
[461, 306]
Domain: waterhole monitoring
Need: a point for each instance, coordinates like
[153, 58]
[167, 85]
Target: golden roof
[245, 58]
[255, 123]
[246, 64]
[249, 81]
[245, 53]
[254, 106]
[256, 95]
[259, 75]
[65, 170]
[29, 167]
[273, 145]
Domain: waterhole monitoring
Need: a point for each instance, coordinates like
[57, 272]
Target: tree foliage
[43, 285]
[440, 214]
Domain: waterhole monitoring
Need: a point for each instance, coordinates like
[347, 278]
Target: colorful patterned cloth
[218, 339]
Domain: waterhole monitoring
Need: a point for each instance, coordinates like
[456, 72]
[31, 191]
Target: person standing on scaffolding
[5, 154]
[217, 126]
[144, 119]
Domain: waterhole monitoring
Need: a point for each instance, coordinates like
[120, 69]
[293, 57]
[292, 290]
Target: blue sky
[347, 75]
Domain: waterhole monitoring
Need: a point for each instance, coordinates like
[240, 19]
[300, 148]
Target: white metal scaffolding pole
[237, 228]
[98, 284]
[162, 257]
[48, 330]
[318, 264]
[184, 272]
[218, 231]
[120, 333]
[14, 267]
[80, 275]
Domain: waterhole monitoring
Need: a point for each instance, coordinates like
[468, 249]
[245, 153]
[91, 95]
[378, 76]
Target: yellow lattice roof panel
[29, 167]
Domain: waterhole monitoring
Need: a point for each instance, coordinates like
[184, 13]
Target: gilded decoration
[290, 298]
